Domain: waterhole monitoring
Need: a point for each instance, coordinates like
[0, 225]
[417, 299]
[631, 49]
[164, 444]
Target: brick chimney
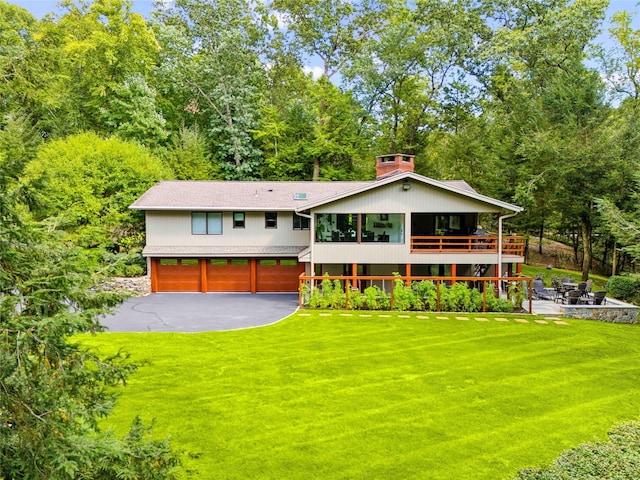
[387, 165]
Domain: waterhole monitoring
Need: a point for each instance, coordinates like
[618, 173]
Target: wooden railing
[386, 283]
[511, 245]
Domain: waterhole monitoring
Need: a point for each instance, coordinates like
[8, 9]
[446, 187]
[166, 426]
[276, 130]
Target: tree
[104, 57]
[87, 184]
[212, 68]
[52, 390]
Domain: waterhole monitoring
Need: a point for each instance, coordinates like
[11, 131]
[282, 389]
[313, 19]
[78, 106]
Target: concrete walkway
[200, 312]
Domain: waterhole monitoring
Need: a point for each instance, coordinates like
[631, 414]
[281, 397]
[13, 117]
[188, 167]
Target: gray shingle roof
[189, 195]
[232, 195]
[191, 251]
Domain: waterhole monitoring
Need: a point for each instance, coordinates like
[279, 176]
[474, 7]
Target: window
[238, 219]
[300, 223]
[206, 223]
[361, 228]
[270, 219]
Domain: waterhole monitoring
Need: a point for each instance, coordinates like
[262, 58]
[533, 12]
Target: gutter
[500, 219]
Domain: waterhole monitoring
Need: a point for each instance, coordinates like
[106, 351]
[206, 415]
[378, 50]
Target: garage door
[228, 275]
[177, 274]
[278, 275]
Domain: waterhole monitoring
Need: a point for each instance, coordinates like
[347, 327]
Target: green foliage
[618, 459]
[54, 391]
[131, 264]
[375, 298]
[404, 298]
[420, 296]
[496, 303]
[624, 287]
[426, 294]
[87, 184]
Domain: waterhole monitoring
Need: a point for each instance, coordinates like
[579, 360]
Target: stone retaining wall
[602, 313]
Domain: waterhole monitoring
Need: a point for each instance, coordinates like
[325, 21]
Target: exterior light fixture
[406, 186]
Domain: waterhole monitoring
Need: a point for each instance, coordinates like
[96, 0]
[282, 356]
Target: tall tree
[211, 64]
[52, 390]
[105, 57]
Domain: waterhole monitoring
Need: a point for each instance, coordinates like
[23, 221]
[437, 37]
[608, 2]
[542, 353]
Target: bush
[375, 298]
[617, 459]
[425, 292]
[404, 298]
[124, 264]
[625, 288]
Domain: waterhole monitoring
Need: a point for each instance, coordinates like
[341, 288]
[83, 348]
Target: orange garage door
[177, 274]
[278, 275]
[228, 275]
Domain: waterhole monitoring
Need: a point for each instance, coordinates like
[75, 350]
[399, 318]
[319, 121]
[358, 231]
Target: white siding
[393, 199]
[365, 253]
[174, 229]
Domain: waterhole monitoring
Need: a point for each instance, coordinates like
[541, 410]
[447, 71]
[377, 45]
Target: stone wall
[602, 313]
[137, 286]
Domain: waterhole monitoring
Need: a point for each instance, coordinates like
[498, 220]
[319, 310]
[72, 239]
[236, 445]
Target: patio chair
[587, 289]
[541, 293]
[572, 297]
[599, 297]
[582, 286]
[561, 291]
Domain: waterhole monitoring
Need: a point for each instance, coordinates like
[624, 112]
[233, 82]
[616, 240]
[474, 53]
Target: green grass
[386, 396]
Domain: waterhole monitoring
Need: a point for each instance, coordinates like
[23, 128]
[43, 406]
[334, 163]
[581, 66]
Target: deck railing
[511, 245]
[386, 283]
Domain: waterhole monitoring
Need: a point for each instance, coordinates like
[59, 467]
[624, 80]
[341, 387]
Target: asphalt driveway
[200, 312]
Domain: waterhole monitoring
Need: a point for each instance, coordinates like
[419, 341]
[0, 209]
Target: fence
[519, 285]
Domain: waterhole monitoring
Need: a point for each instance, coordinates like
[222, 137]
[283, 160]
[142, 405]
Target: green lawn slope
[381, 395]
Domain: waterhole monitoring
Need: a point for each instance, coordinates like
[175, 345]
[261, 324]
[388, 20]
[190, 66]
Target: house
[206, 236]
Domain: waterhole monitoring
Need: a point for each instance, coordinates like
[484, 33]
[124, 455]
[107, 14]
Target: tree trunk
[614, 259]
[576, 243]
[541, 234]
[316, 169]
[586, 247]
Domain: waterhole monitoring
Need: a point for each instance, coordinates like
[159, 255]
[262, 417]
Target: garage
[225, 274]
[228, 275]
[176, 274]
[278, 275]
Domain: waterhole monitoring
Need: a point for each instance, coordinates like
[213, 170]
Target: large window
[270, 219]
[300, 223]
[206, 223]
[361, 228]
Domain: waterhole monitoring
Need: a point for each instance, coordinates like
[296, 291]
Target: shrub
[619, 458]
[404, 298]
[338, 298]
[426, 296]
[375, 298]
[356, 299]
[123, 264]
[625, 288]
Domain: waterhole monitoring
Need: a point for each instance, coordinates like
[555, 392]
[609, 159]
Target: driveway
[200, 312]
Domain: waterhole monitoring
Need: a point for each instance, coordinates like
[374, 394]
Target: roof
[282, 196]
[202, 251]
[232, 195]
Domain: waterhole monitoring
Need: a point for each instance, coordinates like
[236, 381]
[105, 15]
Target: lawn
[381, 395]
